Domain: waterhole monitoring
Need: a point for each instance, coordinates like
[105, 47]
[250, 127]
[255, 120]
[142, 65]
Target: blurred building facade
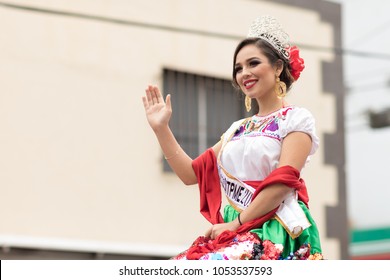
[82, 175]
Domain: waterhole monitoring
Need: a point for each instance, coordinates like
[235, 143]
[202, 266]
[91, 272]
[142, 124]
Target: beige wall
[78, 160]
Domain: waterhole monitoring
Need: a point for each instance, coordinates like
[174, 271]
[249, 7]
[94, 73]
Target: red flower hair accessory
[297, 63]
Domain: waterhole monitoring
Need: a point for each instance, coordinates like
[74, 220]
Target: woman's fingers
[168, 102]
[153, 95]
[158, 94]
[208, 233]
[211, 233]
[153, 91]
[146, 103]
[149, 96]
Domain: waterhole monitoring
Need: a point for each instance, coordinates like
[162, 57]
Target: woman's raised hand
[158, 112]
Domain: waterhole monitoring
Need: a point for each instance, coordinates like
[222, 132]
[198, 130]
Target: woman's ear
[278, 67]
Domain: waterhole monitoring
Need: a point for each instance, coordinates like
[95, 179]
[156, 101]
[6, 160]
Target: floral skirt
[269, 242]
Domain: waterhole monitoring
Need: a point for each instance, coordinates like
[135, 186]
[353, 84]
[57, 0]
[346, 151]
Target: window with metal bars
[202, 109]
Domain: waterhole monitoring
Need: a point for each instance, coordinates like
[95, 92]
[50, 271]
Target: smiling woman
[258, 161]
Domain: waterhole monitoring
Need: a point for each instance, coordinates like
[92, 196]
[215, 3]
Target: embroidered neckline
[267, 125]
[272, 113]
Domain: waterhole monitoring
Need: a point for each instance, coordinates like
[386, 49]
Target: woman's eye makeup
[237, 69]
[254, 62]
[250, 63]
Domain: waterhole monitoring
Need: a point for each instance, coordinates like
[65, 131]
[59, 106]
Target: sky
[365, 27]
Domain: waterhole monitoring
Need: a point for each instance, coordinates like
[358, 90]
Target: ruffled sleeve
[231, 130]
[300, 119]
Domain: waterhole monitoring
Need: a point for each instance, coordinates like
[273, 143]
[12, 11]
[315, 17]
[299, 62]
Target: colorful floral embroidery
[262, 126]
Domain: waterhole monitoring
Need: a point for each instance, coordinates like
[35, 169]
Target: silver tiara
[270, 30]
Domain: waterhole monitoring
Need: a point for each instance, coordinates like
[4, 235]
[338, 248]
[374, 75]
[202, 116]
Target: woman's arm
[158, 113]
[295, 150]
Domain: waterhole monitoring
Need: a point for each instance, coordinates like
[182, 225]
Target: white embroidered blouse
[253, 145]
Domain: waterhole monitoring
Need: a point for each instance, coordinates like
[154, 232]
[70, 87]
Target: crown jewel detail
[269, 29]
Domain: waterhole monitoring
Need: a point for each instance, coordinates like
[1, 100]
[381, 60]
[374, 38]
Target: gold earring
[248, 103]
[280, 88]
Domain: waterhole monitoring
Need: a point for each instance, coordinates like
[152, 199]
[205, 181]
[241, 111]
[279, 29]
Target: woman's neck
[266, 108]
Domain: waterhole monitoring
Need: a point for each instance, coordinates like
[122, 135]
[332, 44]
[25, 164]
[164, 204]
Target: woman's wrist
[238, 220]
[161, 129]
